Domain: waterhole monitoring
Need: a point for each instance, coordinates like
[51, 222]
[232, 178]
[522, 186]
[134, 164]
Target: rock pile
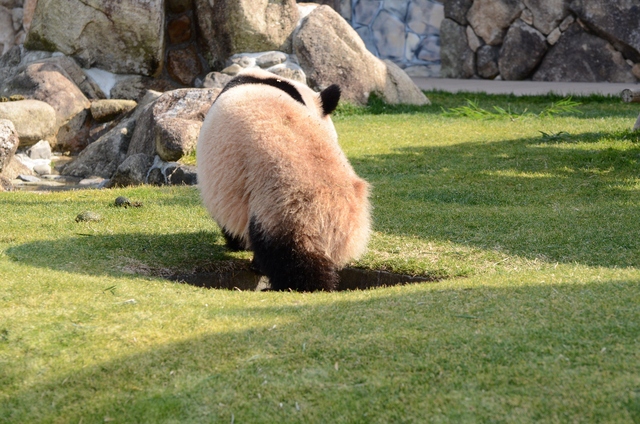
[557, 40]
[93, 81]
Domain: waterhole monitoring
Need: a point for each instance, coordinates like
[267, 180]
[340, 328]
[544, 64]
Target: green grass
[530, 219]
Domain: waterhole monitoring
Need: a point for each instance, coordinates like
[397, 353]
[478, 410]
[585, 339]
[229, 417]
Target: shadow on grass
[517, 353]
[131, 253]
[534, 197]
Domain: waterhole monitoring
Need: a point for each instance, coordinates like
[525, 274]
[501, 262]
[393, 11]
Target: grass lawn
[530, 222]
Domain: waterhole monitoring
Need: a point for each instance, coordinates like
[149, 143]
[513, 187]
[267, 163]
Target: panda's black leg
[234, 243]
[286, 265]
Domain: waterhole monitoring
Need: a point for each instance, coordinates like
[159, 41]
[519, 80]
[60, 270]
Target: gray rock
[89, 88]
[547, 14]
[554, 36]
[456, 10]
[42, 169]
[216, 80]
[170, 127]
[176, 137]
[135, 87]
[29, 178]
[458, 60]
[182, 175]
[487, 61]
[132, 171]
[521, 38]
[296, 74]
[472, 39]
[102, 157]
[527, 17]
[399, 89]
[490, 19]
[49, 82]
[270, 59]
[8, 142]
[121, 37]
[109, 109]
[582, 57]
[331, 52]
[278, 63]
[235, 26]
[615, 21]
[40, 150]
[167, 173]
[33, 120]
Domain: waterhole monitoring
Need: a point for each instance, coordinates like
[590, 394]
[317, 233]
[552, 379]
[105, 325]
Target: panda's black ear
[330, 97]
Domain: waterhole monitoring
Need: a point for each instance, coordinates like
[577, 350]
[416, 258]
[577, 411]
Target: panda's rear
[274, 178]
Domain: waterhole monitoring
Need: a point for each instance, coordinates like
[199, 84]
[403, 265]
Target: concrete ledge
[522, 88]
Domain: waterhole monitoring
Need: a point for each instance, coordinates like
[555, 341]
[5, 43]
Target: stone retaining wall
[541, 40]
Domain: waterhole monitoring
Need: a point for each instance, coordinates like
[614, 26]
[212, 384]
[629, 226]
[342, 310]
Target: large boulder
[50, 83]
[171, 126]
[547, 14]
[490, 19]
[8, 142]
[331, 52]
[89, 88]
[236, 26]
[457, 10]
[102, 157]
[118, 36]
[514, 64]
[458, 60]
[33, 120]
[580, 56]
[617, 22]
[487, 61]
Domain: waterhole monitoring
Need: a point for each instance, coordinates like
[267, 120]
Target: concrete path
[521, 88]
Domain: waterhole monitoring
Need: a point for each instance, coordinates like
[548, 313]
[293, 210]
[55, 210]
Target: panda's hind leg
[286, 265]
[233, 242]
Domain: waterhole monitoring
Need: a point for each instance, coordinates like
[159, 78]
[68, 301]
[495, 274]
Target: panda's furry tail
[287, 265]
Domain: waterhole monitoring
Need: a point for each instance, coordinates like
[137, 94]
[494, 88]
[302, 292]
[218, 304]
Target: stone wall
[542, 40]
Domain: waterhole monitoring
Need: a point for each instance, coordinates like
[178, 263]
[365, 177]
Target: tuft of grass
[473, 110]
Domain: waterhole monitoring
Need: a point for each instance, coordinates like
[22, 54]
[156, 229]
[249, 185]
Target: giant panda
[272, 175]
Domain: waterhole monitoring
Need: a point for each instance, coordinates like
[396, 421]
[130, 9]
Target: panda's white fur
[272, 175]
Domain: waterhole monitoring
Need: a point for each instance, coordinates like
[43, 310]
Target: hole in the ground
[243, 278]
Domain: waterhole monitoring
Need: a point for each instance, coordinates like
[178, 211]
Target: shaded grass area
[539, 215]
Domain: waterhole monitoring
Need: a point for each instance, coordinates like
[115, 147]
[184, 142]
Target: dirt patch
[243, 278]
